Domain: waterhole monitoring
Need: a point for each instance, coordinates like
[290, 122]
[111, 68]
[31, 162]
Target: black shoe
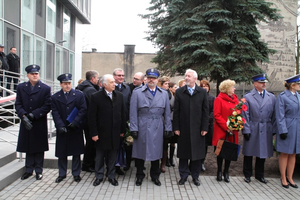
[114, 182]
[156, 181]
[261, 180]
[226, 177]
[126, 168]
[285, 186]
[172, 162]
[59, 179]
[168, 164]
[292, 185]
[196, 182]
[181, 181]
[39, 176]
[97, 181]
[139, 182]
[26, 175]
[247, 179]
[88, 169]
[219, 176]
[119, 171]
[77, 179]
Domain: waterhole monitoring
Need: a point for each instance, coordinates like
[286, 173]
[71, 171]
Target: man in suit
[150, 117]
[69, 114]
[14, 66]
[138, 80]
[107, 125]
[259, 128]
[4, 65]
[190, 123]
[32, 105]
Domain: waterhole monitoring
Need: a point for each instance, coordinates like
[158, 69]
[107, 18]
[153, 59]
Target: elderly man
[190, 123]
[107, 124]
[259, 129]
[149, 117]
[69, 114]
[32, 106]
[138, 80]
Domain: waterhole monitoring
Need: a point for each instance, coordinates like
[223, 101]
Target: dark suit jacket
[107, 119]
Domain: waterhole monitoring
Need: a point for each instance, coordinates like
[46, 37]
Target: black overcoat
[70, 143]
[191, 117]
[38, 103]
[107, 119]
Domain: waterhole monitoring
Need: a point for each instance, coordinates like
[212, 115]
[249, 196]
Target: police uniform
[69, 111]
[258, 130]
[32, 105]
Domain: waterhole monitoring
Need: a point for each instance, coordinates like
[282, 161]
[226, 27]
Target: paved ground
[209, 188]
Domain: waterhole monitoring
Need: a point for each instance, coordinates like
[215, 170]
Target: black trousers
[154, 170]
[105, 156]
[63, 165]
[185, 169]
[128, 151]
[89, 151]
[259, 167]
[34, 161]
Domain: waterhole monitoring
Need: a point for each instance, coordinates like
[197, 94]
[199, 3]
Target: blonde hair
[288, 86]
[180, 82]
[162, 80]
[226, 85]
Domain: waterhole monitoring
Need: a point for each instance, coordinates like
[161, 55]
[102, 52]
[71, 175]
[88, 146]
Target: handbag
[228, 150]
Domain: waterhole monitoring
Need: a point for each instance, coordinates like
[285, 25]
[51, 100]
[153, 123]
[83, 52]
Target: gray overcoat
[260, 124]
[150, 116]
[288, 121]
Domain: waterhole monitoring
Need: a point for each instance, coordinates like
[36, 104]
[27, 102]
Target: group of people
[158, 115]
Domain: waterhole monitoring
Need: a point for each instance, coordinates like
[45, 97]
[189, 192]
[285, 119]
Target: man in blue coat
[69, 112]
[259, 128]
[32, 105]
[150, 117]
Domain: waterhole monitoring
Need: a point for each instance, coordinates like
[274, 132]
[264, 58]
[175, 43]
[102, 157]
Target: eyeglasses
[120, 75]
[136, 79]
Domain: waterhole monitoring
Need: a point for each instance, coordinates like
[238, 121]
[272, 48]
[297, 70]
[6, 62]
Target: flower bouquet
[235, 120]
[128, 139]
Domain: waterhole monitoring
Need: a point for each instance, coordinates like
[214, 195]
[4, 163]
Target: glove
[134, 134]
[283, 136]
[247, 137]
[72, 126]
[31, 117]
[61, 130]
[27, 123]
[168, 134]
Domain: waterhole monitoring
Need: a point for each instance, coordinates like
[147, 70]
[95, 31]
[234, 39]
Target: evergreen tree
[217, 38]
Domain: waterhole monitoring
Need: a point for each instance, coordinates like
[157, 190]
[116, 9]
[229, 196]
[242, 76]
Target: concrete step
[7, 158]
[11, 172]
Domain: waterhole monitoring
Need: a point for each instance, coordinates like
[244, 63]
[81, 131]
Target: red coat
[222, 109]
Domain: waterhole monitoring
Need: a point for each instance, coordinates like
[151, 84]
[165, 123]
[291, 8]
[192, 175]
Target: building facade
[45, 32]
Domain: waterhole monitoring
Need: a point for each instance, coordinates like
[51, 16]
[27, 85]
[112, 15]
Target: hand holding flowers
[235, 120]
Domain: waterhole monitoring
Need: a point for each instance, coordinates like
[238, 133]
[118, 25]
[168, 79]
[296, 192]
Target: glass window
[40, 18]
[72, 63]
[58, 61]
[13, 17]
[40, 55]
[1, 32]
[66, 62]
[50, 61]
[1, 8]
[51, 19]
[59, 23]
[11, 37]
[72, 33]
[28, 15]
[27, 49]
[67, 27]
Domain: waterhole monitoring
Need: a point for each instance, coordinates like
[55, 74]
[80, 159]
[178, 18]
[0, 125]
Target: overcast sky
[115, 23]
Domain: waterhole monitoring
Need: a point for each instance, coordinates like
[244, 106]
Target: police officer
[259, 128]
[69, 111]
[32, 105]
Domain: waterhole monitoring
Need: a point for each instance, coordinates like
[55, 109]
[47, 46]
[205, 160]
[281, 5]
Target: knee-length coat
[37, 102]
[222, 110]
[70, 143]
[287, 109]
[150, 116]
[260, 124]
[191, 116]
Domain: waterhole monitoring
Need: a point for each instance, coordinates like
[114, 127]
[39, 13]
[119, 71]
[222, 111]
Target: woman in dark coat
[223, 104]
[211, 99]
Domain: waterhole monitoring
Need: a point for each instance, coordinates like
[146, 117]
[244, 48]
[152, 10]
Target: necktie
[261, 94]
[120, 86]
[191, 91]
[66, 95]
[109, 94]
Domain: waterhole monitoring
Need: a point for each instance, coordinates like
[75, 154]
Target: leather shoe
[292, 185]
[226, 177]
[39, 176]
[126, 168]
[97, 181]
[262, 180]
[119, 171]
[139, 182]
[77, 179]
[114, 182]
[285, 186]
[247, 179]
[219, 176]
[25, 175]
[196, 181]
[88, 169]
[156, 181]
[182, 181]
[59, 179]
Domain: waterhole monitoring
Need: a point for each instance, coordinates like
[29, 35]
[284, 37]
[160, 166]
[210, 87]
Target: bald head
[138, 79]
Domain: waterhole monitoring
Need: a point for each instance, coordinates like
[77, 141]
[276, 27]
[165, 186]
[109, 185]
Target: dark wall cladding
[40, 18]
[12, 5]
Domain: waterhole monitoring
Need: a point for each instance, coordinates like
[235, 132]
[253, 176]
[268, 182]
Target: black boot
[219, 163]
[226, 169]
[172, 149]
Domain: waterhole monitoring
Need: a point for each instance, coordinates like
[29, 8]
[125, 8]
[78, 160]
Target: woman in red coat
[223, 104]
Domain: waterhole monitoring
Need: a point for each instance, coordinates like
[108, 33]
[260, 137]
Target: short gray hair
[117, 69]
[105, 77]
[193, 71]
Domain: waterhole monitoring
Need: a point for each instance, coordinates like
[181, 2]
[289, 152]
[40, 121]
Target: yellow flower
[129, 139]
[239, 118]
[234, 113]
